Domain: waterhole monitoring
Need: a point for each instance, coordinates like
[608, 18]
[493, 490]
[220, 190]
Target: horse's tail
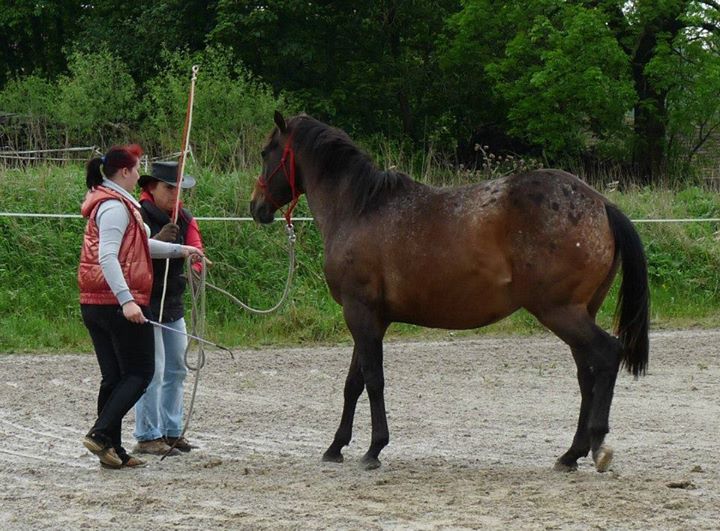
[632, 312]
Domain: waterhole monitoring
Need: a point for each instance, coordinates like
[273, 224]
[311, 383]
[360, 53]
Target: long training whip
[175, 213]
[180, 173]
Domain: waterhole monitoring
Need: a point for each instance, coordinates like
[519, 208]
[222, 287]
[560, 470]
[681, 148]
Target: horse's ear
[280, 121]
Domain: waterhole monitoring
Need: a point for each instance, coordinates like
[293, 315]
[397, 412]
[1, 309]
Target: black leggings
[126, 355]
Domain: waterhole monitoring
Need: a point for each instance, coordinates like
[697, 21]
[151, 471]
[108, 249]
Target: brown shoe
[180, 443]
[130, 462]
[107, 454]
[134, 462]
[154, 447]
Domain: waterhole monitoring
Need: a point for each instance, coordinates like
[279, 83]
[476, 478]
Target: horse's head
[277, 185]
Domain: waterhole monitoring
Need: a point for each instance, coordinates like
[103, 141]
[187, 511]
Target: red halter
[289, 171]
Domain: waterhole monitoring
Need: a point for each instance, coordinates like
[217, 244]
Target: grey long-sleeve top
[112, 219]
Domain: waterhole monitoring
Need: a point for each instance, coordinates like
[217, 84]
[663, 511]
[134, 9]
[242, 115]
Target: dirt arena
[475, 427]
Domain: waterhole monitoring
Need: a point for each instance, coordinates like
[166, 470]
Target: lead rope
[197, 328]
[290, 231]
[198, 315]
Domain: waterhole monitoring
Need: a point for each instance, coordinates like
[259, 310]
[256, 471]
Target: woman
[159, 412]
[115, 279]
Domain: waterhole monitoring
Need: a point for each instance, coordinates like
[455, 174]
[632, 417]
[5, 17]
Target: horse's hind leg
[597, 356]
[354, 385]
[581, 442]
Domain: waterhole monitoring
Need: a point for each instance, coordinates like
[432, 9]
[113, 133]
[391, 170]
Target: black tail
[631, 315]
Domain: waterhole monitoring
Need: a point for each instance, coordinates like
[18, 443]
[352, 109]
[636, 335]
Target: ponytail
[114, 160]
[93, 174]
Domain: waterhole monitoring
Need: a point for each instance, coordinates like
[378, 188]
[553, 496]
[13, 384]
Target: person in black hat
[115, 281]
[159, 413]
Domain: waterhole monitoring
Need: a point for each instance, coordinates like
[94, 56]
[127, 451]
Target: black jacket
[174, 308]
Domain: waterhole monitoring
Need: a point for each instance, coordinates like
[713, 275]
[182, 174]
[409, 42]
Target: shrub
[232, 112]
[97, 100]
[28, 103]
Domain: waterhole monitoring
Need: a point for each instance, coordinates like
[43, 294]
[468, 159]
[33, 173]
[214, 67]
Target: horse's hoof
[602, 458]
[565, 467]
[333, 457]
[370, 463]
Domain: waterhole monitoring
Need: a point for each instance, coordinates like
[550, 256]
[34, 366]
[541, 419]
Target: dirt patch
[475, 427]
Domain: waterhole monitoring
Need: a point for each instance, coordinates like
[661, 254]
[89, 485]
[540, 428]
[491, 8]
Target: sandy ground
[475, 427]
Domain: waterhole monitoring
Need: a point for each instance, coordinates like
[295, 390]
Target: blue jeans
[159, 412]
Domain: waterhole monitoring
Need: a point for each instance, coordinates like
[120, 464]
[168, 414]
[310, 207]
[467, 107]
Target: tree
[688, 69]
[33, 36]
[557, 68]
[554, 68]
[137, 33]
[369, 66]
[643, 28]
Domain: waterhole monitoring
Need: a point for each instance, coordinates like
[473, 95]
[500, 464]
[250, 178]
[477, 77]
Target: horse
[396, 250]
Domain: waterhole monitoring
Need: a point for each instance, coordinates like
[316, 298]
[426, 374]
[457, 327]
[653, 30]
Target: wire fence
[244, 219]
[29, 155]
[56, 155]
[78, 216]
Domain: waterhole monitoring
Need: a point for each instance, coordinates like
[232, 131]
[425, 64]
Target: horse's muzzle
[262, 212]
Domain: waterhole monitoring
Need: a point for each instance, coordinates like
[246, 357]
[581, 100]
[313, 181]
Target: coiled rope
[198, 284]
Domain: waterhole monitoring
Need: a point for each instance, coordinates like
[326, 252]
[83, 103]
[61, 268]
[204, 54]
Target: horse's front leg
[354, 385]
[372, 369]
[367, 329]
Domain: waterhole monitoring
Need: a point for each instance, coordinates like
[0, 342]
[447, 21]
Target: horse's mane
[337, 157]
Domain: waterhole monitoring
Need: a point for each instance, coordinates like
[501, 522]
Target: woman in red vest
[115, 279]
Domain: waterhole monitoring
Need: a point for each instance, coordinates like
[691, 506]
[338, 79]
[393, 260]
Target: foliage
[31, 100]
[367, 66]
[34, 35]
[556, 69]
[231, 114]
[609, 83]
[97, 99]
[232, 111]
[691, 77]
[137, 33]
[565, 81]
[31, 95]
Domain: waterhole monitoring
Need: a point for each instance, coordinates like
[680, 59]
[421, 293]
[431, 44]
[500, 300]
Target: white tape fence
[231, 218]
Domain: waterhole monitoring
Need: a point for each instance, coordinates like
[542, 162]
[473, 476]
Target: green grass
[38, 259]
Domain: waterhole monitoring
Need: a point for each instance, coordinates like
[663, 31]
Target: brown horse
[400, 251]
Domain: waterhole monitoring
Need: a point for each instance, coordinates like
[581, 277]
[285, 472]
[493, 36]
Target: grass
[38, 260]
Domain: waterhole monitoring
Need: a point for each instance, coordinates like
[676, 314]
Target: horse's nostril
[261, 212]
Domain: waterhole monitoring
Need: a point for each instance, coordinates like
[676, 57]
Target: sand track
[475, 427]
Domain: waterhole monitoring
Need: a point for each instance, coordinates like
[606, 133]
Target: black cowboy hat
[167, 173]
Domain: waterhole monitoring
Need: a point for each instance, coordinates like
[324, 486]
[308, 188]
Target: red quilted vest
[134, 255]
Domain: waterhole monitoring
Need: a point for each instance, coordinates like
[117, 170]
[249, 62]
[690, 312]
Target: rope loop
[290, 230]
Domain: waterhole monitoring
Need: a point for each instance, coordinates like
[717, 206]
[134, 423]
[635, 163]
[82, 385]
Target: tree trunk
[651, 116]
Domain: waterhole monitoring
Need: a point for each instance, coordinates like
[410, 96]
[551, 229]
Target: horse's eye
[263, 153]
